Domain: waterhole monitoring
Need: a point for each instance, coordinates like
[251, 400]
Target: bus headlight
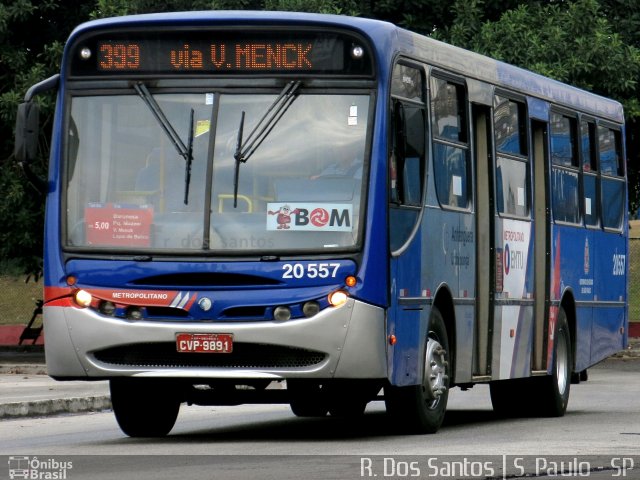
[83, 298]
[338, 298]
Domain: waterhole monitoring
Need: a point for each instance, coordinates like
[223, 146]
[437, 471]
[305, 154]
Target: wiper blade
[238, 157]
[269, 120]
[245, 149]
[189, 159]
[183, 150]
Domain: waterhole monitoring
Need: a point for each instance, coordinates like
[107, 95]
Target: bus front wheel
[421, 408]
[144, 408]
[308, 399]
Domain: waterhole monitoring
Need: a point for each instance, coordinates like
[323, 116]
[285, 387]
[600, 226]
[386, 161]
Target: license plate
[204, 342]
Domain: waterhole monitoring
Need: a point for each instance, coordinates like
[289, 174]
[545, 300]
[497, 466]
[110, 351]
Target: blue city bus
[323, 211]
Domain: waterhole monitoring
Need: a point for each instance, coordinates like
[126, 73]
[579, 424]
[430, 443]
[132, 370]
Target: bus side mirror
[27, 132]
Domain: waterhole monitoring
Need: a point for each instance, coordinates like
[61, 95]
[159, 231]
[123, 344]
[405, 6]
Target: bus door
[407, 170]
[542, 270]
[511, 303]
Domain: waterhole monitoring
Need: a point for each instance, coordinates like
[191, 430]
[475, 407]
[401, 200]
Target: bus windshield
[300, 190]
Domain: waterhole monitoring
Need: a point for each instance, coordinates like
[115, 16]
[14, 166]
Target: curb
[10, 336]
[54, 407]
[23, 369]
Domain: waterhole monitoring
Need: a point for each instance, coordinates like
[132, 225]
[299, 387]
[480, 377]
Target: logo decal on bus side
[516, 237]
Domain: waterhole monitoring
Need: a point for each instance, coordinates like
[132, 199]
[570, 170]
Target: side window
[564, 170]
[612, 176]
[408, 153]
[510, 126]
[588, 145]
[450, 143]
[407, 156]
[589, 173]
[610, 152]
[510, 129]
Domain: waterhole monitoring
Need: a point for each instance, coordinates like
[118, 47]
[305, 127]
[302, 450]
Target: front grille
[244, 355]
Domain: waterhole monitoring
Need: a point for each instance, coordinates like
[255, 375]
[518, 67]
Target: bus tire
[539, 396]
[555, 388]
[307, 399]
[421, 408]
[144, 408]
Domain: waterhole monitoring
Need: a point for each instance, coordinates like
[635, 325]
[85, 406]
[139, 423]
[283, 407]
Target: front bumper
[343, 342]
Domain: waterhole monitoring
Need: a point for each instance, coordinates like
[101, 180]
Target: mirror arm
[43, 86]
[37, 182]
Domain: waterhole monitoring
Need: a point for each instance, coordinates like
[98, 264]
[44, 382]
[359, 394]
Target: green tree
[584, 43]
[625, 15]
[27, 58]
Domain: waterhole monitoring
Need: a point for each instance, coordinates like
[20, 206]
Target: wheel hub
[435, 371]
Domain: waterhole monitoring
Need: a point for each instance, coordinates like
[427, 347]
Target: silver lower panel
[344, 342]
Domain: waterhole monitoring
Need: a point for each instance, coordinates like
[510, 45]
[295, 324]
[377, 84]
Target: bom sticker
[316, 217]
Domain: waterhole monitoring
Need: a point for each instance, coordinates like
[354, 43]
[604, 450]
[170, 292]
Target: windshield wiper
[245, 149]
[185, 151]
[189, 159]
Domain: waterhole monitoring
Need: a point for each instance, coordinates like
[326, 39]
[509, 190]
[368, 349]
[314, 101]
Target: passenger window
[610, 152]
[590, 199]
[589, 173]
[406, 82]
[409, 153]
[588, 144]
[565, 173]
[565, 195]
[612, 173]
[510, 126]
[511, 186]
[563, 139]
[450, 143]
[407, 157]
[612, 202]
[447, 104]
[512, 179]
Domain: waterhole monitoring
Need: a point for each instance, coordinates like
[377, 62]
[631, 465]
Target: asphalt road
[602, 425]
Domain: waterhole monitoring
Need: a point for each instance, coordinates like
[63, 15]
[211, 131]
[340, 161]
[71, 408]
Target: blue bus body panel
[226, 286]
[592, 270]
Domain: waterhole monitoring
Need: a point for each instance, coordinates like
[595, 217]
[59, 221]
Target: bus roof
[389, 41]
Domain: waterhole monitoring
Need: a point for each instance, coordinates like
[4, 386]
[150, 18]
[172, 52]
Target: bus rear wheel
[421, 408]
[144, 408]
[554, 389]
[546, 396]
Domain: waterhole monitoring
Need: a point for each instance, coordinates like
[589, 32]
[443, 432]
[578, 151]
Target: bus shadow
[371, 425]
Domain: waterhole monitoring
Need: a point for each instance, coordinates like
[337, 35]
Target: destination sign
[226, 52]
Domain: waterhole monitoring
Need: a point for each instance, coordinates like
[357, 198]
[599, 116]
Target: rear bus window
[612, 170]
